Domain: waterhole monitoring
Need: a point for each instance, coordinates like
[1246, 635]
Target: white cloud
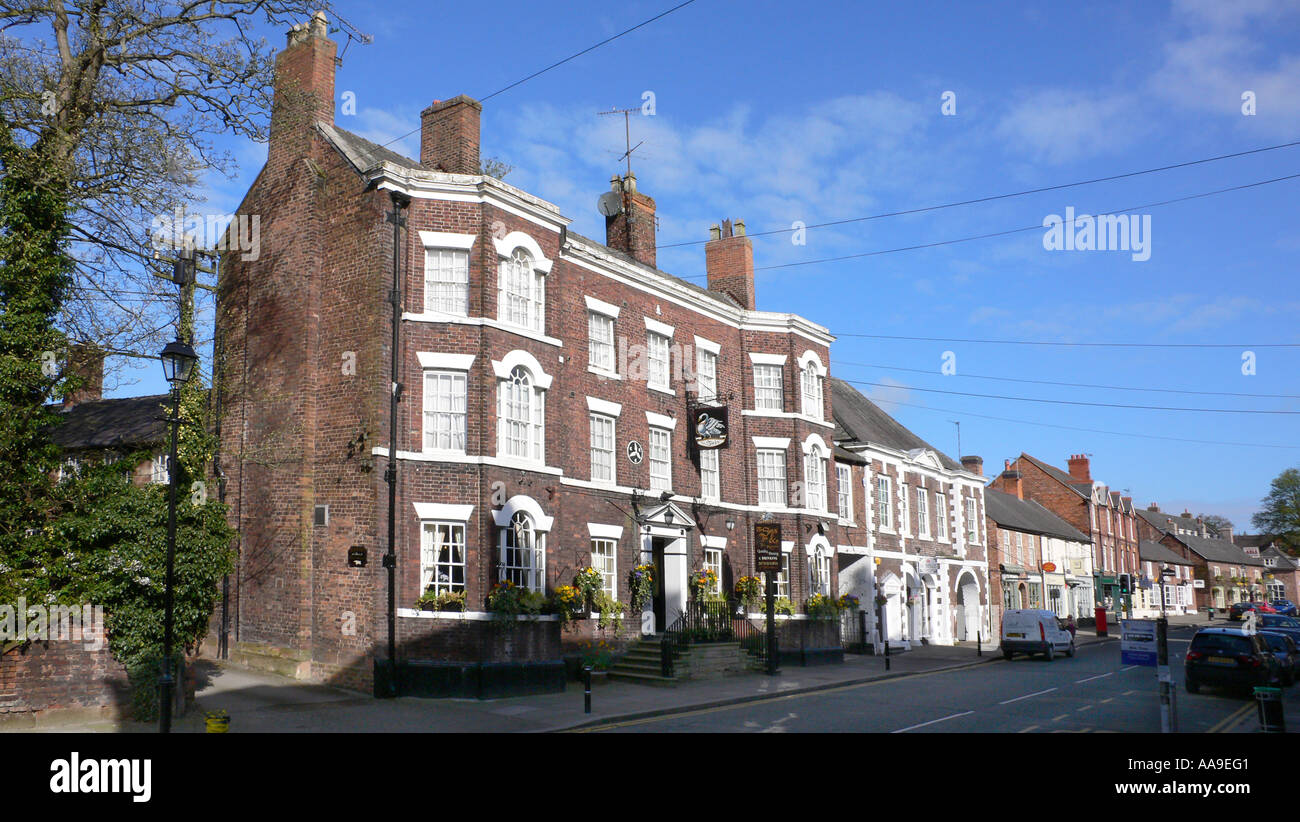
[1060, 125]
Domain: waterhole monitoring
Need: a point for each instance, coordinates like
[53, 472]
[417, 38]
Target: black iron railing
[710, 621]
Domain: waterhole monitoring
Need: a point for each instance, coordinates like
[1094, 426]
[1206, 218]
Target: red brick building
[548, 393]
[1106, 517]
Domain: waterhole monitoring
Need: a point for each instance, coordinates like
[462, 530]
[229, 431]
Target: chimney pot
[632, 230]
[729, 260]
[1079, 468]
[974, 464]
[449, 135]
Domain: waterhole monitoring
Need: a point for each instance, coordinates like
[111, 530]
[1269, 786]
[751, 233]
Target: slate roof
[1159, 521]
[1149, 551]
[842, 454]
[859, 419]
[1217, 550]
[1009, 511]
[1284, 560]
[119, 423]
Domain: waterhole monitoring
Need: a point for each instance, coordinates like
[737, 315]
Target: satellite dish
[610, 203]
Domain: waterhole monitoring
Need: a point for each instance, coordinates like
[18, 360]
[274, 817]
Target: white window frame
[706, 370]
[922, 513]
[972, 521]
[532, 443]
[820, 571]
[159, 474]
[659, 363]
[660, 452]
[713, 562]
[771, 468]
[768, 397]
[941, 514]
[606, 563]
[521, 288]
[441, 407]
[814, 477]
[446, 281]
[429, 559]
[603, 445]
[812, 379]
[844, 491]
[531, 574]
[710, 474]
[885, 502]
[600, 343]
[904, 511]
[782, 577]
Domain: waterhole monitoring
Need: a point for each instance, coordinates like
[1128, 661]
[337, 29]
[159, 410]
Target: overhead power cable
[995, 197]
[1038, 227]
[1074, 384]
[1077, 428]
[559, 63]
[1076, 402]
[1066, 344]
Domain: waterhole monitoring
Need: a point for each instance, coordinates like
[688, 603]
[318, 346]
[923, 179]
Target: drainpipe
[400, 201]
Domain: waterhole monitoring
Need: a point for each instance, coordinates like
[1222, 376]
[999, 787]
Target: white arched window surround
[521, 406]
[819, 551]
[812, 380]
[521, 281]
[521, 542]
[815, 463]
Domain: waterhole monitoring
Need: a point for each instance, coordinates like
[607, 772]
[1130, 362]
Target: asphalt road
[1093, 692]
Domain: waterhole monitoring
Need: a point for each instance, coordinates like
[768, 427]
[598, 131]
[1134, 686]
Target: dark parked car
[1238, 608]
[1229, 658]
[1284, 648]
[1285, 607]
[1281, 624]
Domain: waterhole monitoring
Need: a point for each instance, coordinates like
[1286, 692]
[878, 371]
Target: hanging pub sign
[711, 427]
[767, 547]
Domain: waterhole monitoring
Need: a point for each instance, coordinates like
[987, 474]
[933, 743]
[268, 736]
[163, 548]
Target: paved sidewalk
[262, 702]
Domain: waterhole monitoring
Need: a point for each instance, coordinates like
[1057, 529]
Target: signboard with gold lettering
[767, 547]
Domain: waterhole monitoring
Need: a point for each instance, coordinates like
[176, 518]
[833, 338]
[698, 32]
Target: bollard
[1271, 720]
[979, 644]
[886, 653]
[586, 690]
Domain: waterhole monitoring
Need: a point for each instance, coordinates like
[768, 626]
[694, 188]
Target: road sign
[1137, 645]
[767, 547]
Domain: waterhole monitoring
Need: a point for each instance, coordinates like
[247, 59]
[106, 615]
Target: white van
[1034, 632]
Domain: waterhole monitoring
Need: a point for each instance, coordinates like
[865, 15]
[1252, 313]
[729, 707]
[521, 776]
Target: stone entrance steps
[704, 660]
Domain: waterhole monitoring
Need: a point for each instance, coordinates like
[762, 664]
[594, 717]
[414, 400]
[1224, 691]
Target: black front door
[657, 554]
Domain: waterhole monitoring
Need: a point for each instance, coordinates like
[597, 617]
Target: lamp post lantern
[178, 361]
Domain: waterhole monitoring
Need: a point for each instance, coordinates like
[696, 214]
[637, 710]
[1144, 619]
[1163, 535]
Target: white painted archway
[968, 600]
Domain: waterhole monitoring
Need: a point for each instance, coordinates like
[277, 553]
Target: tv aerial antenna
[353, 33]
[627, 133]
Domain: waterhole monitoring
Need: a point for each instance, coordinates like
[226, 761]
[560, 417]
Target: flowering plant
[565, 601]
[446, 601]
[783, 606]
[641, 585]
[507, 600]
[588, 583]
[820, 606]
[749, 590]
[848, 602]
[704, 584]
[597, 656]
[881, 599]
[611, 611]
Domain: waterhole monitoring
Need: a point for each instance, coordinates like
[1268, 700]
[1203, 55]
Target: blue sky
[773, 114]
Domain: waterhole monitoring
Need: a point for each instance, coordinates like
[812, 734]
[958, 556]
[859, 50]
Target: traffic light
[1125, 584]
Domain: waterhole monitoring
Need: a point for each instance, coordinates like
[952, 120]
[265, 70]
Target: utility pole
[958, 424]
[1165, 683]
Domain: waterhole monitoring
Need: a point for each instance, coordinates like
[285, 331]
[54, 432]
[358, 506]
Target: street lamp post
[178, 362]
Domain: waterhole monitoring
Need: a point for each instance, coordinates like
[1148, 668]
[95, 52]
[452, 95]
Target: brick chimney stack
[1153, 507]
[304, 90]
[87, 363]
[632, 230]
[729, 259]
[973, 464]
[1079, 469]
[1225, 532]
[449, 135]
